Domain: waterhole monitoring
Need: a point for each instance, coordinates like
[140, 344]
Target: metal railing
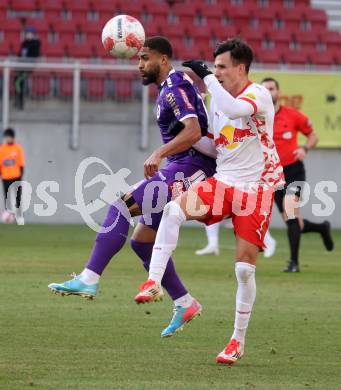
[77, 68]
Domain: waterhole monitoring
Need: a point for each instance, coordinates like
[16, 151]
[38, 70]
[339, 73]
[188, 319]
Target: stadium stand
[72, 28]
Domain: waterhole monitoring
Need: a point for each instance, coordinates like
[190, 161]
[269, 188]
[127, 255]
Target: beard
[151, 76]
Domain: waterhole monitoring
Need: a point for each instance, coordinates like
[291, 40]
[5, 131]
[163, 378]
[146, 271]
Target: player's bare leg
[245, 267]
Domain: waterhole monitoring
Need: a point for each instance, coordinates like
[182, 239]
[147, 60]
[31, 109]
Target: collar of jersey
[163, 82]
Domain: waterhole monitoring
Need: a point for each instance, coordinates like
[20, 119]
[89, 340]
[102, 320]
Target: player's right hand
[151, 165]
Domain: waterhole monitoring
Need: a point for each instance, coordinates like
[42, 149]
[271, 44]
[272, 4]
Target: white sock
[184, 301]
[166, 240]
[245, 297]
[268, 239]
[89, 277]
[212, 232]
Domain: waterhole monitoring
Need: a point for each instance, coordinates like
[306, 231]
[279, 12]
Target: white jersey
[246, 153]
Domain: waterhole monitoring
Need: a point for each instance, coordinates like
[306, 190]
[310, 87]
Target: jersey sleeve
[259, 98]
[303, 123]
[233, 108]
[182, 101]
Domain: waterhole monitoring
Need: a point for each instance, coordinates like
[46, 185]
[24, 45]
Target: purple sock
[108, 244]
[170, 281]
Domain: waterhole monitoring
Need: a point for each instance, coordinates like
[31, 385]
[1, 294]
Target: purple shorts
[153, 194]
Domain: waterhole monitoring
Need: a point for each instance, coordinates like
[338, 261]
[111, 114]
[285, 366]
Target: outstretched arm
[224, 101]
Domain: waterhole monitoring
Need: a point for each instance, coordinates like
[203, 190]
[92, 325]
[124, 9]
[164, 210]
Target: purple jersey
[179, 99]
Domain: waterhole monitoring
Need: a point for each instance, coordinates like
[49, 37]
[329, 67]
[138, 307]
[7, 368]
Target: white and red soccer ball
[123, 36]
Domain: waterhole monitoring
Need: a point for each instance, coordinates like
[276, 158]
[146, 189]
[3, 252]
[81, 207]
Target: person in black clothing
[30, 48]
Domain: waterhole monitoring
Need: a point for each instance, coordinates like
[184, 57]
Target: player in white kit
[248, 172]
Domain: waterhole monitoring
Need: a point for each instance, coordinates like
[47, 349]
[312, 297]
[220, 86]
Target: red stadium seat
[156, 7]
[41, 25]
[239, 15]
[53, 50]
[205, 50]
[266, 56]
[281, 38]
[213, 13]
[198, 32]
[307, 39]
[13, 39]
[123, 82]
[252, 35]
[132, 8]
[94, 85]
[8, 48]
[52, 5]
[173, 30]
[297, 57]
[305, 3]
[23, 5]
[292, 17]
[93, 27]
[187, 52]
[105, 6]
[224, 32]
[81, 6]
[323, 57]
[66, 86]
[184, 12]
[317, 17]
[223, 19]
[11, 24]
[40, 85]
[332, 39]
[78, 50]
[151, 29]
[66, 30]
[79, 19]
[337, 56]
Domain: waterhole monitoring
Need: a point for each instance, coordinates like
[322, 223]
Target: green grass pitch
[53, 342]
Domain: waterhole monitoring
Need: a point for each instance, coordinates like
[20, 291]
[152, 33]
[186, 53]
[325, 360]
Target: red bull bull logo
[230, 136]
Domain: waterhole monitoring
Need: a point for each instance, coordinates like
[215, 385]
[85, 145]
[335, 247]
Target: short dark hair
[266, 79]
[9, 132]
[241, 52]
[159, 44]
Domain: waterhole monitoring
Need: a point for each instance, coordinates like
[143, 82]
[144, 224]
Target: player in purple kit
[183, 124]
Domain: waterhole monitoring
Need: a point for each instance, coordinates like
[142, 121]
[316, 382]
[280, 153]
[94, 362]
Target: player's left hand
[300, 154]
[198, 67]
[151, 165]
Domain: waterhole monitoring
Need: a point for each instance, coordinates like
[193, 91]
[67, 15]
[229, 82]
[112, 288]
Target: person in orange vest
[12, 163]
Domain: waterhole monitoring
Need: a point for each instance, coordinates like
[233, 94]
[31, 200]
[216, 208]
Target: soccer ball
[7, 217]
[123, 36]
